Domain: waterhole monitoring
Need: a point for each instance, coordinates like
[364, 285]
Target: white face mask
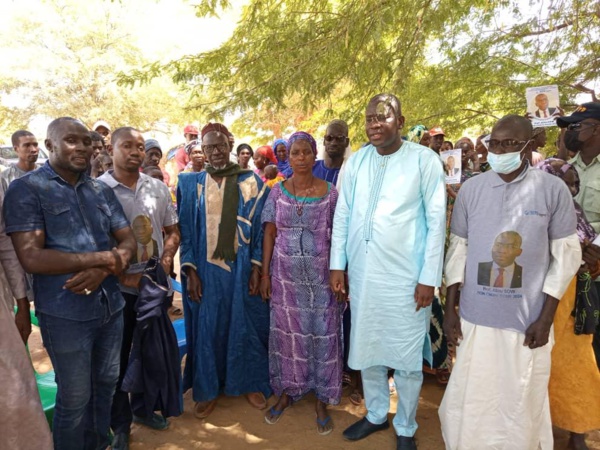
[505, 162]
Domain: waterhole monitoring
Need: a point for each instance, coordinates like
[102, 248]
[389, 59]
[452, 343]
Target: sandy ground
[236, 425]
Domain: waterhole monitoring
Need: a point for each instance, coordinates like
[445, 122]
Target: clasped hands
[88, 280]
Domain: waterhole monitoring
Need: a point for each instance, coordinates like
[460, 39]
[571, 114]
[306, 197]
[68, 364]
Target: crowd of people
[303, 275]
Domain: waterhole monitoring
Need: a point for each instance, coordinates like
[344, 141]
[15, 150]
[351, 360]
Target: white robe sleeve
[565, 260]
[341, 220]
[433, 188]
[456, 260]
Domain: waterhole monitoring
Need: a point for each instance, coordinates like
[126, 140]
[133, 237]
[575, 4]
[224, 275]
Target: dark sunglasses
[330, 138]
[505, 143]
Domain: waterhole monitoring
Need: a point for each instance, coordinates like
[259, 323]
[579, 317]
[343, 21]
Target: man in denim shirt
[70, 232]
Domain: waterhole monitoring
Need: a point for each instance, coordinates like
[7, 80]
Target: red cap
[191, 129]
[435, 131]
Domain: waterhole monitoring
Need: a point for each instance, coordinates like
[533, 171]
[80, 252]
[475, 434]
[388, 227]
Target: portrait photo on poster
[504, 270]
[543, 105]
[452, 165]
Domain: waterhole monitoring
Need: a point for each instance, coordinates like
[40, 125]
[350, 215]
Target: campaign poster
[542, 105]
[452, 165]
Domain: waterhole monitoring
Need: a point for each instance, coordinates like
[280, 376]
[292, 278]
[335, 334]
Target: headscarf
[558, 168]
[277, 142]
[241, 147]
[416, 133]
[192, 145]
[268, 153]
[302, 135]
[283, 166]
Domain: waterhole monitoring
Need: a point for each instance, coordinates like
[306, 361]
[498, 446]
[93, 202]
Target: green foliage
[457, 63]
[66, 57]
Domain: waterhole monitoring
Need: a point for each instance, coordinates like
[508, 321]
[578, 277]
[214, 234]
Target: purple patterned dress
[305, 339]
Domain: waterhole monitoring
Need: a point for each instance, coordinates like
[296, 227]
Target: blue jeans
[85, 357]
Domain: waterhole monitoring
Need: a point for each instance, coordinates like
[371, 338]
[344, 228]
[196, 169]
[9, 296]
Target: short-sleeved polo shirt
[149, 208]
[532, 210]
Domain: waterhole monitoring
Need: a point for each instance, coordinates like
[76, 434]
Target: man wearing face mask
[504, 329]
[582, 135]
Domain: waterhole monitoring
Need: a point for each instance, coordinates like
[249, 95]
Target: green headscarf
[416, 133]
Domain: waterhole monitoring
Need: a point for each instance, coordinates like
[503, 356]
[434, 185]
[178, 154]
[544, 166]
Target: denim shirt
[75, 219]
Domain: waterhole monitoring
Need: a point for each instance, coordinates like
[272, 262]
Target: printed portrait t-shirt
[149, 209]
[509, 227]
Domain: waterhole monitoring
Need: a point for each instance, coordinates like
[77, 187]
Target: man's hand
[131, 280]
[167, 263]
[194, 285]
[452, 328]
[591, 254]
[337, 283]
[450, 192]
[119, 262]
[254, 282]
[86, 281]
[423, 295]
[537, 334]
[23, 319]
[474, 158]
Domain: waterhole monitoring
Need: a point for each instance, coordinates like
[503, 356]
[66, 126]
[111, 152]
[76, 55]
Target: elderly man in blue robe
[226, 321]
[389, 231]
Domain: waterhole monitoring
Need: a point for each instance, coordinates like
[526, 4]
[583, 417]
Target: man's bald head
[122, 131]
[386, 102]
[57, 126]
[339, 125]
[69, 144]
[517, 124]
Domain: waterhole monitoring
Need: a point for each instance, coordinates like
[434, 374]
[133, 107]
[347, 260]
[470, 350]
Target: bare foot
[324, 422]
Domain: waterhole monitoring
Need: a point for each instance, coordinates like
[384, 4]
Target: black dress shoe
[406, 443]
[120, 441]
[362, 429]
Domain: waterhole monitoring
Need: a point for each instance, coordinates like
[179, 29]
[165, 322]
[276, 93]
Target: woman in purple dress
[305, 340]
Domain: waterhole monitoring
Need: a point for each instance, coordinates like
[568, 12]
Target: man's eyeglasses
[210, 148]
[505, 143]
[378, 118]
[579, 125]
[330, 138]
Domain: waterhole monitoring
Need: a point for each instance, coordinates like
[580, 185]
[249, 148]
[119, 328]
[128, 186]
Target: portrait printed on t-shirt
[503, 271]
[147, 247]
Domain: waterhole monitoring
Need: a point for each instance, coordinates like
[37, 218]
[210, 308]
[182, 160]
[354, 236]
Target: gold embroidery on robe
[213, 208]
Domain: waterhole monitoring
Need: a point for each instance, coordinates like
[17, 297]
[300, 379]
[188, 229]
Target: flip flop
[321, 424]
[276, 414]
